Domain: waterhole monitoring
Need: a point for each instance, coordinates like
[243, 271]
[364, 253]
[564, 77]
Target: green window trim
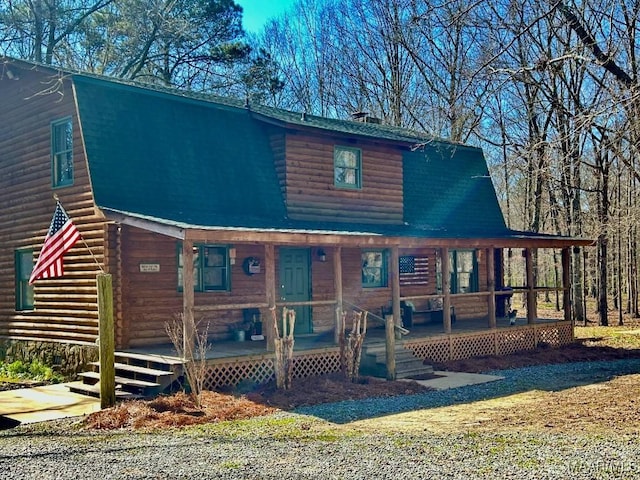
[374, 268]
[62, 153]
[23, 260]
[347, 167]
[211, 268]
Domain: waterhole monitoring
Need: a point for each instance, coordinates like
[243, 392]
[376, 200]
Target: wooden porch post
[395, 287]
[531, 294]
[337, 286]
[390, 348]
[270, 288]
[188, 337]
[446, 289]
[491, 284]
[566, 284]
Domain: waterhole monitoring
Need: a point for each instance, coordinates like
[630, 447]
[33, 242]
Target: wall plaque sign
[149, 267]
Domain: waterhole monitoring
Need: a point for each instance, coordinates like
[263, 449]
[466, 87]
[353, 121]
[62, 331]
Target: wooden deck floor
[230, 349]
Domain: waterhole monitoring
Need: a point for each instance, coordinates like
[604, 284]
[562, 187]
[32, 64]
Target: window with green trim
[23, 268]
[347, 167]
[62, 153]
[374, 268]
[210, 268]
[463, 268]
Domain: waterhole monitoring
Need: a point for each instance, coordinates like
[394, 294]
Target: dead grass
[610, 404]
[605, 408]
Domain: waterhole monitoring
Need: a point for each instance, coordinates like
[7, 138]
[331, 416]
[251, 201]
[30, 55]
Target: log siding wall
[65, 309]
[310, 190]
[151, 299]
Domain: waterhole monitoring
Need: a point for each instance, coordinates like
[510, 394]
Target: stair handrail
[378, 318]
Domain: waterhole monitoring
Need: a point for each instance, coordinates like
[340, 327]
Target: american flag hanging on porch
[62, 235]
[413, 270]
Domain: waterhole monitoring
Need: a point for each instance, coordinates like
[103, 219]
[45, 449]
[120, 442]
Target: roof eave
[298, 236]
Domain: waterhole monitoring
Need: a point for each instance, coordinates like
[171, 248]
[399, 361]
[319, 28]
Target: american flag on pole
[62, 235]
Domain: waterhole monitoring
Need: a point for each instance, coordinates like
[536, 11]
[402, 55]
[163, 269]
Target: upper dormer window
[347, 167]
[62, 153]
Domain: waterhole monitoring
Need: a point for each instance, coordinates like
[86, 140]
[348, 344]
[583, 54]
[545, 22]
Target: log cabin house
[222, 210]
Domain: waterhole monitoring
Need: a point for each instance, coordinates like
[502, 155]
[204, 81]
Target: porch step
[137, 375]
[161, 362]
[133, 371]
[94, 391]
[139, 387]
[374, 362]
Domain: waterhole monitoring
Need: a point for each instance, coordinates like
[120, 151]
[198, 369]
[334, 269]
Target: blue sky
[257, 12]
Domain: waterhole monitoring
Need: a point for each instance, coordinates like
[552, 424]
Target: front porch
[232, 362]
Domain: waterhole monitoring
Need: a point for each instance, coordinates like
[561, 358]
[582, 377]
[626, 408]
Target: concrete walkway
[39, 404]
[447, 380]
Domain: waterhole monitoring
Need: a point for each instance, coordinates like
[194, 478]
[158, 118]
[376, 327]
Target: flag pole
[106, 330]
[106, 338]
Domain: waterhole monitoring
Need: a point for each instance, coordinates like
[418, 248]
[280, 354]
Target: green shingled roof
[171, 157]
[191, 161]
[448, 188]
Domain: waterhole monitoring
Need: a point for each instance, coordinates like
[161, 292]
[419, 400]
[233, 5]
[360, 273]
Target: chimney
[364, 117]
[359, 116]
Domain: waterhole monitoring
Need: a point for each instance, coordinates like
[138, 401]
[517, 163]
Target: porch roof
[339, 234]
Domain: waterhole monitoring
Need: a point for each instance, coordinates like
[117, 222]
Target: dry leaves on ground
[180, 410]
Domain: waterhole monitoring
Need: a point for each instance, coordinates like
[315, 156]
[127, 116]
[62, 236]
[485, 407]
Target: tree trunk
[602, 275]
[603, 162]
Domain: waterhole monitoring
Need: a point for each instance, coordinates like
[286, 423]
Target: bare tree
[36, 29]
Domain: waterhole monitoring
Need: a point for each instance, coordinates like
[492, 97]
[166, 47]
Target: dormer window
[347, 167]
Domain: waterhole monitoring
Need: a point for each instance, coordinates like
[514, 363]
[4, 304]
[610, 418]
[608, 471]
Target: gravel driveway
[303, 445]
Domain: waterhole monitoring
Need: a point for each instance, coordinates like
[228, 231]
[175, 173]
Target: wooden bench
[430, 314]
[408, 313]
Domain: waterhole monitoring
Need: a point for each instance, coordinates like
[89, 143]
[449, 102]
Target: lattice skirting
[495, 342]
[259, 370]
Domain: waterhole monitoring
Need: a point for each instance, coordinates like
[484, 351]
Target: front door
[295, 284]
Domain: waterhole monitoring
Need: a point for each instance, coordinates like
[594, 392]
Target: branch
[591, 43]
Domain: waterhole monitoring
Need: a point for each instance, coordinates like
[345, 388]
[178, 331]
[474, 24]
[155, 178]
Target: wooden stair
[137, 376]
[374, 362]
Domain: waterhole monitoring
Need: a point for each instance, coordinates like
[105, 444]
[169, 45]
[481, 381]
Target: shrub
[35, 370]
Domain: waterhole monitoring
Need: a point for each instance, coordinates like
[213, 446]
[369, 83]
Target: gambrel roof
[199, 162]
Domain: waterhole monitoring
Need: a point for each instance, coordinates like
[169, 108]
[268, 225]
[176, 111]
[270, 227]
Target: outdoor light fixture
[232, 255]
[321, 255]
